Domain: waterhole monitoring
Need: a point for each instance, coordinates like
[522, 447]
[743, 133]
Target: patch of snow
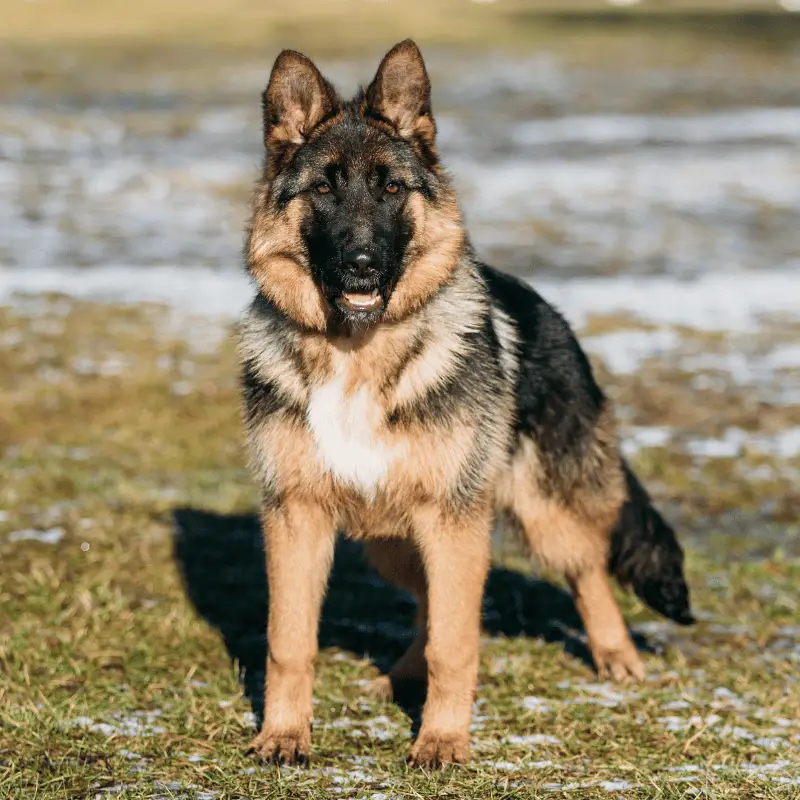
[635, 439]
[532, 740]
[685, 768]
[785, 356]
[728, 446]
[676, 705]
[682, 724]
[537, 704]
[624, 351]
[602, 694]
[137, 723]
[616, 786]
[717, 127]
[785, 444]
[504, 766]
[381, 728]
[49, 536]
[712, 301]
[725, 698]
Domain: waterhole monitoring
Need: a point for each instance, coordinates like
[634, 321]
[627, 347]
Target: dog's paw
[290, 748]
[620, 664]
[435, 751]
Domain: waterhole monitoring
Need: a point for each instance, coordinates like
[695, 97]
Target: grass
[116, 678]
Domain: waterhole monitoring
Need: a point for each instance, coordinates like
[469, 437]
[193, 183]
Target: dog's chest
[350, 434]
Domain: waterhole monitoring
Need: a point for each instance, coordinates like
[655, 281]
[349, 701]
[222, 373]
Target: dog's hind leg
[579, 551]
[398, 562]
[611, 646]
[575, 544]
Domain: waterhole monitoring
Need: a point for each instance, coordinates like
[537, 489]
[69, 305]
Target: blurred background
[638, 162]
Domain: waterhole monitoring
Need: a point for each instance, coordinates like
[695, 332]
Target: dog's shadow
[221, 560]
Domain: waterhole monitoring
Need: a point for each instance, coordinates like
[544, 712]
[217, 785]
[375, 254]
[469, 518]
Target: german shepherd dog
[400, 390]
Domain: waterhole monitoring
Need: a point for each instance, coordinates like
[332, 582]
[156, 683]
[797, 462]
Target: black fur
[646, 555]
[558, 404]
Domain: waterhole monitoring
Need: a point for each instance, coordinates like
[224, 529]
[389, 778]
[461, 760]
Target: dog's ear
[400, 94]
[297, 100]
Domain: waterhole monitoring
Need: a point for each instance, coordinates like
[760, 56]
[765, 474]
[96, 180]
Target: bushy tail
[646, 555]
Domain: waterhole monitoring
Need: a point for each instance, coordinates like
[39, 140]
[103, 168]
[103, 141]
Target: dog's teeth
[362, 300]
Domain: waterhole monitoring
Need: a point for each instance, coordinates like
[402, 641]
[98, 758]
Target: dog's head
[354, 222]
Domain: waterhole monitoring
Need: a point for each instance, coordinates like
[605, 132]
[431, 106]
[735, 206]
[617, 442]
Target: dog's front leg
[455, 552]
[299, 540]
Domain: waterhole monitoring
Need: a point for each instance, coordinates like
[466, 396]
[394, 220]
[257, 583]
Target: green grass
[115, 683]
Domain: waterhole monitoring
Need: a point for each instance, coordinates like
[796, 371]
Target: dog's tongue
[363, 302]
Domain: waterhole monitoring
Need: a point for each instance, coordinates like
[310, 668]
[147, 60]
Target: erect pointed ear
[297, 99]
[400, 94]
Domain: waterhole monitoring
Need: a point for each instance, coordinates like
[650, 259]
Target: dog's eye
[393, 187]
[323, 188]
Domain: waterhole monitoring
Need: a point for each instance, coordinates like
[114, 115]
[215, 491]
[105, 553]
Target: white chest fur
[347, 430]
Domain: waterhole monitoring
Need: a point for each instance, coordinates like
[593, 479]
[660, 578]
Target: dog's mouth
[360, 302]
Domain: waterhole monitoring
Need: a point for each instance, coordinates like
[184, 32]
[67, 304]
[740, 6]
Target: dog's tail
[646, 555]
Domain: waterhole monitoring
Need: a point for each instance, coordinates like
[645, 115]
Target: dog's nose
[360, 263]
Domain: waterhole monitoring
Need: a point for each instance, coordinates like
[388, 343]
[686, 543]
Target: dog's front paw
[289, 747]
[435, 751]
[619, 663]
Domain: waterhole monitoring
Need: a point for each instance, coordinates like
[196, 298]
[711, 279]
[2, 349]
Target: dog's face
[356, 233]
[355, 222]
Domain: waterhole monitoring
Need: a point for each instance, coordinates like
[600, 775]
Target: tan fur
[572, 536]
[412, 511]
[567, 535]
[455, 555]
[277, 262]
[284, 450]
[438, 241]
[299, 537]
[613, 651]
